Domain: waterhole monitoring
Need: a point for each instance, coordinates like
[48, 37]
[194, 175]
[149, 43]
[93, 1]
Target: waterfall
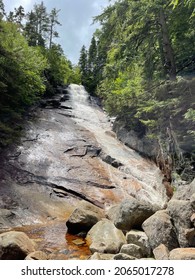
[78, 94]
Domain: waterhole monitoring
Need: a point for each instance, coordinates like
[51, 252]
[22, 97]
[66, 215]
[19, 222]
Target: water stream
[43, 178]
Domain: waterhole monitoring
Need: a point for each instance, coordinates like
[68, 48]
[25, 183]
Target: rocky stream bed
[71, 190]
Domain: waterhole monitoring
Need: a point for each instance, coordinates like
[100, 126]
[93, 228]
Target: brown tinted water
[53, 239]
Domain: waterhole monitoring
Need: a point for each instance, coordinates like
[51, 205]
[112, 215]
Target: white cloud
[76, 17]
[11, 4]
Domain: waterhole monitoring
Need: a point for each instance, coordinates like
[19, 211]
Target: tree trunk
[51, 36]
[167, 48]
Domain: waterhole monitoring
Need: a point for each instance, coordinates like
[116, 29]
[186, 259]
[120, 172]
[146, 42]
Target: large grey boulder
[132, 213]
[139, 238]
[104, 237]
[132, 250]
[160, 230]
[15, 246]
[181, 211]
[182, 254]
[84, 217]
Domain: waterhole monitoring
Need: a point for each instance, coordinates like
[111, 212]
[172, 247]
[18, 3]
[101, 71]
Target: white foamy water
[78, 94]
[145, 173]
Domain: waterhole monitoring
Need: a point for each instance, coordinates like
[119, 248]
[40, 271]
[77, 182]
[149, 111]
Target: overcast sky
[76, 17]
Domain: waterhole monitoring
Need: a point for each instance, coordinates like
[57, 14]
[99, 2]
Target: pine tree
[37, 25]
[83, 63]
[92, 55]
[19, 15]
[2, 10]
[53, 21]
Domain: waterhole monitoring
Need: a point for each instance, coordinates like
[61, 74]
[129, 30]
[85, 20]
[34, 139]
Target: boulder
[112, 212]
[84, 217]
[132, 213]
[104, 237]
[37, 255]
[125, 257]
[182, 254]
[160, 230]
[99, 256]
[139, 238]
[185, 192]
[15, 246]
[180, 211]
[132, 250]
[161, 252]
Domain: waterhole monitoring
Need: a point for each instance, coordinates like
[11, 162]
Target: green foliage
[30, 64]
[60, 70]
[122, 91]
[143, 43]
[22, 81]
[190, 114]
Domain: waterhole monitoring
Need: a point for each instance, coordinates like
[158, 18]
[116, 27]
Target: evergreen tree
[92, 55]
[30, 29]
[83, 64]
[53, 21]
[2, 10]
[19, 15]
[37, 25]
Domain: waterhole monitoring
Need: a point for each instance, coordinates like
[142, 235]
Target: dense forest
[32, 65]
[141, 62]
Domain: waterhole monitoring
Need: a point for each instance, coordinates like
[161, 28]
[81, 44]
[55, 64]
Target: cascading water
[143, 175]
[78, 94]
[54, 167]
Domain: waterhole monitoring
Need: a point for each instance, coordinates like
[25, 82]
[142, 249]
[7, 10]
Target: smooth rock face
[37, 255]
[160, 230]
[104, 237]
[134, 140]
[132, 250]
[182, 254]
[15, 246]
[84, 217]
[161, 252]
[139, 238]
[180, 211]
[132, 214]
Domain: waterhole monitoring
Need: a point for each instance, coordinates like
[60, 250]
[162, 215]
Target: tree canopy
[31, 64]
[145, 67]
